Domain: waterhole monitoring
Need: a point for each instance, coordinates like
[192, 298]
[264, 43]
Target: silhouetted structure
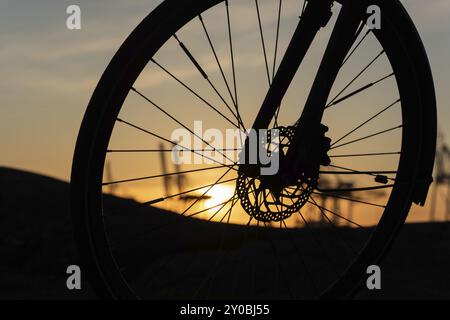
[441, 178]
[339, 192]
[178, 177]
[112, 188]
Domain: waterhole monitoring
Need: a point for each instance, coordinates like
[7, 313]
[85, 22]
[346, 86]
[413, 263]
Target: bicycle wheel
[210, 227]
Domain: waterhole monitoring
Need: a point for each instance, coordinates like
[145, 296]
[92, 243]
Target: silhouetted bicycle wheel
[356, 114]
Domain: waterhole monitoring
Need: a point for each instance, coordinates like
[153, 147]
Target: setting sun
[219, 194]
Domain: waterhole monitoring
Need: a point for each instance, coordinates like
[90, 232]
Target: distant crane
[179, 178]
[341, 190]
[112, 188]
[345, 187]
[441, 177]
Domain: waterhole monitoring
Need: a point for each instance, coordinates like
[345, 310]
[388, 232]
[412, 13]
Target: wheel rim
[99, 162]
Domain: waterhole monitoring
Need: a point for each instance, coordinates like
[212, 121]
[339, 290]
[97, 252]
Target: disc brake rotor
[269, 201]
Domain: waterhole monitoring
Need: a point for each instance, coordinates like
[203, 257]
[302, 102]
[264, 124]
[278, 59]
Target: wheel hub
[274, 198]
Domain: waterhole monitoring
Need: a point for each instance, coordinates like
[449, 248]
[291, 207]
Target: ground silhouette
[36, 245]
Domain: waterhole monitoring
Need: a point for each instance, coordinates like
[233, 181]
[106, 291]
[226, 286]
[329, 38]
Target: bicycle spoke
[303, 9]
[355, 78]
[216, 58]
[340, 42]
[164, 150]
[357, 45]
[331, 263]
[363, 88]
[220, 209]
[235, 103]
[310, 231]
[212, 207]
[178, 122]
[230, 41]
[214, 275]
[336, 214]
[375, 174]
[352, 171]
[219, 258]
[154, 201]
[277, 39]
[349, 199]
[365, 122]
[178, 221]
[197, 255]
[162, 175]
[349, 248]
[302, 39]
[168, 141]
[197, 95]
[367, 137]
[262, 42]
[200, 69]
[277, 112]
[204, 193]
[356, 189]
[365, 154]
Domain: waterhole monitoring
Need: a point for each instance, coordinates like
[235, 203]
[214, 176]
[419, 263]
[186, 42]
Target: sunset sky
[48, 72]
